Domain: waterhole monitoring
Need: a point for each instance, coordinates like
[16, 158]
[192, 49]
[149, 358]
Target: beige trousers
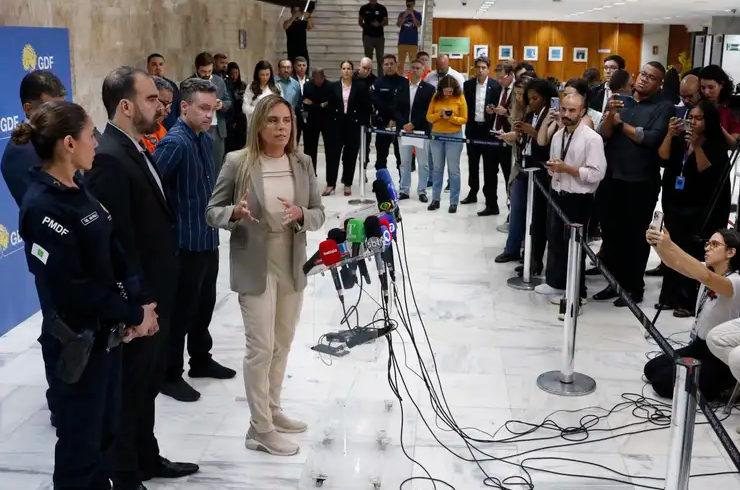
[724, 342]
[270, 321]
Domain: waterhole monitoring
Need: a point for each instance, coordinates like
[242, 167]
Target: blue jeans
[517, 214]
[431, 163]
[443, 151]
[422, 165]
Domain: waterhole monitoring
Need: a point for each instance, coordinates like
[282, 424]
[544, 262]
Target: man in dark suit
[127, 183]
[410, 114]
[300, 75]
[601, 94]
[482, 94]
[204, 69]
[155, 67]
[36, 88]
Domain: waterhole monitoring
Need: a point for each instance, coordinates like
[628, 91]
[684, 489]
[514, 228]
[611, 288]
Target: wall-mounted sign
[453, 45]
[604, 51]
[732, 47]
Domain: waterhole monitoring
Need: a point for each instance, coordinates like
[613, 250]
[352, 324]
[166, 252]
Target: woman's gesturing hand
[241, 209]
[291, 211]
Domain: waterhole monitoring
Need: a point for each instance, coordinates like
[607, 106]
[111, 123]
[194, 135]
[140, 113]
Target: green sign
[453, 45]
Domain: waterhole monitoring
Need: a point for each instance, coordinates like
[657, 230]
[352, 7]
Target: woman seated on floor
[718, 302]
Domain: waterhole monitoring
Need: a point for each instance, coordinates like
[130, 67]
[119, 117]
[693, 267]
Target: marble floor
[490, 343]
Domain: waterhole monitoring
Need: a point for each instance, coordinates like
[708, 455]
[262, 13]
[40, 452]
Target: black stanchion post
[567, 382]
[682, 424]
[363, 174]
[527, 282]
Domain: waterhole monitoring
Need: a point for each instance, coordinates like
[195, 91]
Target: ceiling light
[632, 1]
[666, 18]
[580, 13]
[618, 3]
[599, 8]
[607, 6]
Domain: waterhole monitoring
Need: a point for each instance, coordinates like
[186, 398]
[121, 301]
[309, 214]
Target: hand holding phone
[657, 222]
[555, 103]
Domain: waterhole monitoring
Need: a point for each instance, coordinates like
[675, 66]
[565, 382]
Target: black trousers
[683, 223]
[577, 208]
[348, 147]
[195, 300]
[714, 376]
[135, 453]
[540, 209]
[502, 160]
[628, 211]
[87, 414]
[382, 149]
[327, 131]
[490, 168]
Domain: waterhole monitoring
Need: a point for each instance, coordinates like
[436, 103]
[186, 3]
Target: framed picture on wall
[506, 52]
[480, 50]
[434, 50]
[530, 53]
[580, 55]
[555, 53]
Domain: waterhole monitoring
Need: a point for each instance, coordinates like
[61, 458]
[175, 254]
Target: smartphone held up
[657, 222]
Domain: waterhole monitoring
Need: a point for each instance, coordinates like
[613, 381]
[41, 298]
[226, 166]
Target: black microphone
[312, 262]
[347, 273]
[354, 228]
[374, 244]
[383, 195]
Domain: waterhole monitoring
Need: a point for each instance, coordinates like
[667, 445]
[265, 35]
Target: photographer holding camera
[694, 154]
[719, 302]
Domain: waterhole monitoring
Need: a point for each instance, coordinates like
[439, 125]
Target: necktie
[504, 103]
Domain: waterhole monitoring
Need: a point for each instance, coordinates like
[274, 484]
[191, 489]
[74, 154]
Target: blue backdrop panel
[22, 50]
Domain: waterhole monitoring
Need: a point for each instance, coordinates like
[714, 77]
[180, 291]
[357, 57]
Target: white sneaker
[563, 304]
[270, 442]
[548, 290]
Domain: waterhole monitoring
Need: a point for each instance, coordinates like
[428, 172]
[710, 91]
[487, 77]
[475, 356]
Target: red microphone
[329, 252]
[330, 256]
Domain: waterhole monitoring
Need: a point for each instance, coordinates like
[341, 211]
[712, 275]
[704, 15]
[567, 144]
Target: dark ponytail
[51, 122]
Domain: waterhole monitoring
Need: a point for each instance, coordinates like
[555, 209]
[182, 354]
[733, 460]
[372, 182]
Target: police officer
[383, 96]
[70, 248]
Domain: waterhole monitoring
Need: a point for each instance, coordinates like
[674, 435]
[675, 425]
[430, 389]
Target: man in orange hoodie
[165, 98]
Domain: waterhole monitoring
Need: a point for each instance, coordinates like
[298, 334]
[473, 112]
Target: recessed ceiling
[690, 12]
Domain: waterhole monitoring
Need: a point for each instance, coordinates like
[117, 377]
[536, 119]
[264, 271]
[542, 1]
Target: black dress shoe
[452, 209]
[506, 257]
[489, 211]
[536, 270]
[470, 199]
[53, 420]
[657, 272]
[118, 486]
[621, 303]
[433, 206]
[423, 198]
[604, 294]
[211, 369]
[181, 391]
[402, 196]
[664, 306]
[169, 469]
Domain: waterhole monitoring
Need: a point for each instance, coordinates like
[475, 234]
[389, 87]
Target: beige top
[277, 177]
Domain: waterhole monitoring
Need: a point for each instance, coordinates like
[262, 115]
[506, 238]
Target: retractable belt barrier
[436, 137]
[682, 426]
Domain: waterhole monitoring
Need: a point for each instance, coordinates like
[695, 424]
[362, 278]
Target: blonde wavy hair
[250, 154]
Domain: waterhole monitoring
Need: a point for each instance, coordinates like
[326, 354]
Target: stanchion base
[360, 202]
[581, 385]
[504, 228]
[518, 283]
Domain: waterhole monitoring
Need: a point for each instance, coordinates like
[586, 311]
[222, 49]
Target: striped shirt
[185, 161]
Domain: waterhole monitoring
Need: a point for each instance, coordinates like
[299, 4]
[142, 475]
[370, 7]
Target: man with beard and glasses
[577, 164]
[188, 177]
[126, 182]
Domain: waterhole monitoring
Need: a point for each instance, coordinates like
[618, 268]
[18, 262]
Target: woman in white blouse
[263, 84]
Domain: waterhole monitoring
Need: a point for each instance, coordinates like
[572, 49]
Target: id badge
[680, 181]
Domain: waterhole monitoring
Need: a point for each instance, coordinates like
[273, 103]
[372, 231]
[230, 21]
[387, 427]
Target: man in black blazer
[410, 114]
[482, 94]
[601, 94]
[127, 183]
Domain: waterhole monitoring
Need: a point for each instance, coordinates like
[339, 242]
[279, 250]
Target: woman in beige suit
[267, 196]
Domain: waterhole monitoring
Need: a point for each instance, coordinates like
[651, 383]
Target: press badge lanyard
[564, 146]
[681, 180]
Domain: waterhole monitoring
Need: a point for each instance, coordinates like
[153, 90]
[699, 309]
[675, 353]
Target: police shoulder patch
[39, 252]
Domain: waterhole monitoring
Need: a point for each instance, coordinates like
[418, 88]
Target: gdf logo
[9, 241]
[31, 61]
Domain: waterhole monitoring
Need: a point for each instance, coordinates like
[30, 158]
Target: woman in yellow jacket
[448, 113]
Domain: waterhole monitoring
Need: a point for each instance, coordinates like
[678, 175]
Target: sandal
[347, 190]
[328, 191]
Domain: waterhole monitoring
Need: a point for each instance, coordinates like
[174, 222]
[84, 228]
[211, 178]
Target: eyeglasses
[712, 244]
[649, 76]
[165, 103]
[610, 68]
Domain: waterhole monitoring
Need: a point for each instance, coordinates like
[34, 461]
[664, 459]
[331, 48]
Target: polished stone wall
[108, 33]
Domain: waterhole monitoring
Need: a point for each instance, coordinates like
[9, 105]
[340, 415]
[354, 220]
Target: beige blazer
[248, 250]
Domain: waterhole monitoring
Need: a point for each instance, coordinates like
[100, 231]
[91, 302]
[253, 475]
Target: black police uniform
[70, 247]
[383, 96]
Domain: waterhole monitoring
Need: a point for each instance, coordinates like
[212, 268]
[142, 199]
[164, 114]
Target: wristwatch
[640, 133]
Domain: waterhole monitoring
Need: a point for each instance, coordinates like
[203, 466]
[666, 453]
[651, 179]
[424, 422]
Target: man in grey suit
[204, 70]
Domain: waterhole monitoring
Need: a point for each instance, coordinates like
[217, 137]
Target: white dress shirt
[607, 96]
[413, 88]
[144, 155]
[480, 100]
[586, 153]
